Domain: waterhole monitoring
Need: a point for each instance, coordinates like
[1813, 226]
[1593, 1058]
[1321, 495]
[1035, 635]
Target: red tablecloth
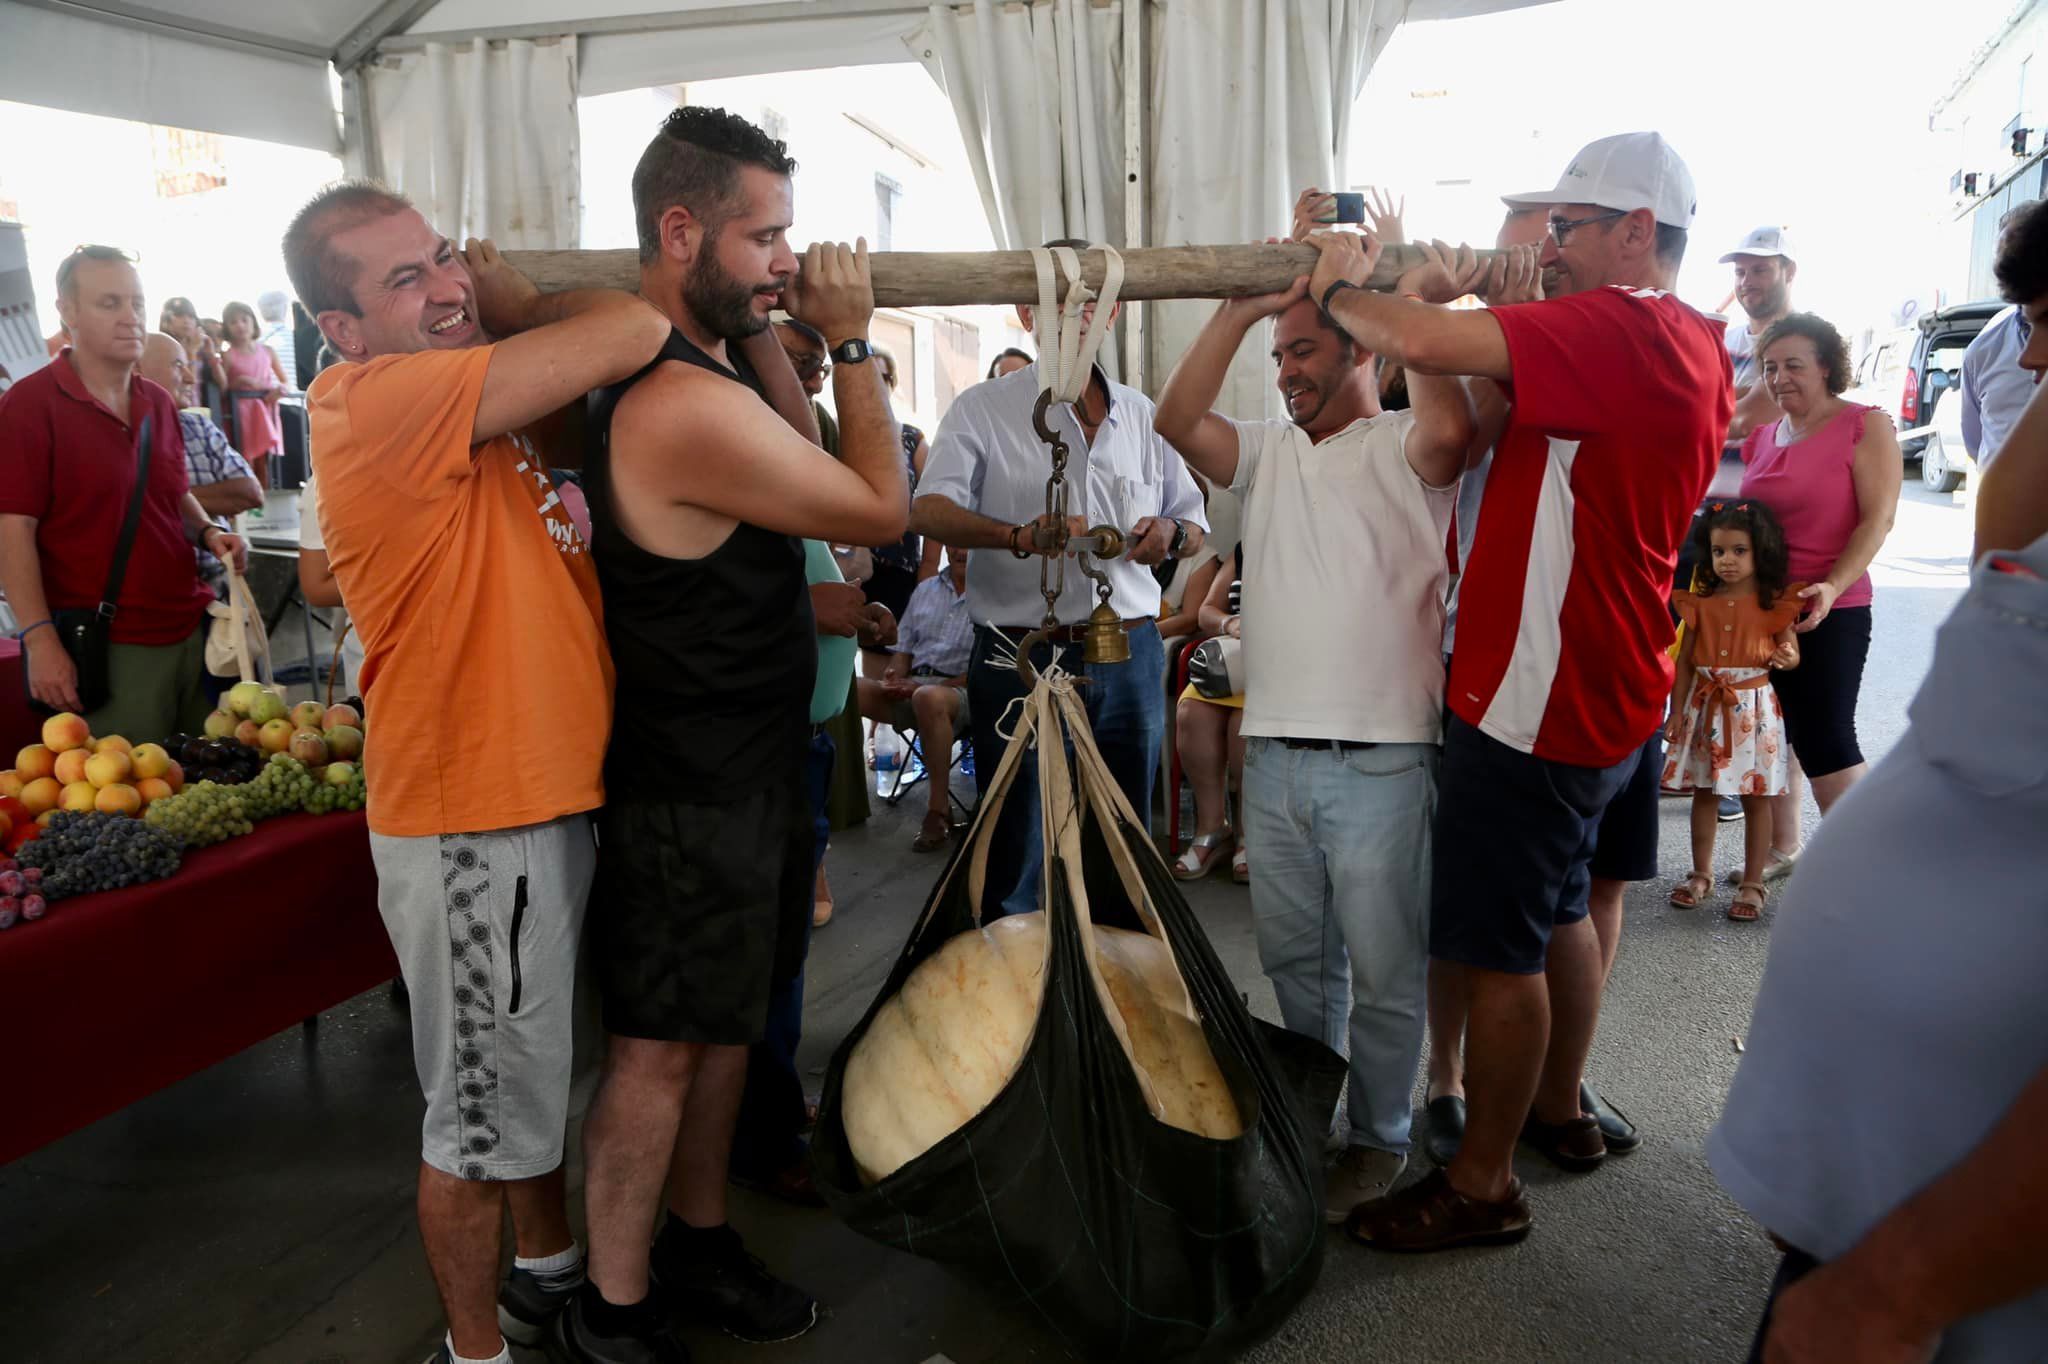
[19, 726]
[113, 996]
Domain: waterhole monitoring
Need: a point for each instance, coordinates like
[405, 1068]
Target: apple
[248, 734]
[267, 707]
[113, 742]
[23, 834]
[309, 747]
[345, 741]
[241, 698]
[12, 807]
[275, 735]
[220, 725]
[110, 768]
[6, 828]
[64, 732]
[11, 783]
[341, 715]
[34, 763]
[41, 795]
[339, 774]
[118, 799]
[174, 777]
[308, 715]
[71, 765]
[150, 761]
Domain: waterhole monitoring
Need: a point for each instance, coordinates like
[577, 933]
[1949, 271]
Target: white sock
[504, 1355]
[551, 1264]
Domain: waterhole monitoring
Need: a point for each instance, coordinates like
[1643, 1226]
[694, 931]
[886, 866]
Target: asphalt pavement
[262, 1211]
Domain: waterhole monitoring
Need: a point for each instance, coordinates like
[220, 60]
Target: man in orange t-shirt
[488, 695]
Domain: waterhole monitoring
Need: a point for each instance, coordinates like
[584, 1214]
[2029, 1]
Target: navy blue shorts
[1625, 847]
[1514, 848]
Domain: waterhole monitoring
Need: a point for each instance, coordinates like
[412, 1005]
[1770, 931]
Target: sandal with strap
[1431, 1215]
[1202, 855]
[1745, 909]
[1240, 868]
[1695, 890]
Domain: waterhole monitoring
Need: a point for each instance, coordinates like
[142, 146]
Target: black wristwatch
[852, 352]
[1180, 537]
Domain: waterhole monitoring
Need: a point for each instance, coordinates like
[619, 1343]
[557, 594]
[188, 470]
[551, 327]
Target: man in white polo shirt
[984, 489]
[1346, 509]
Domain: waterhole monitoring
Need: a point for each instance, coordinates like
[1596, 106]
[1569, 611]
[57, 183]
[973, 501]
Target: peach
[113, 742]
[43, 819]
[71, 765]
[150, 761]
[42, 795]
[174, 777]
[78, 796]
[11, 783]
[35, 762]
[118, 799]
[152, 788]
[110, 768]
[65, 731]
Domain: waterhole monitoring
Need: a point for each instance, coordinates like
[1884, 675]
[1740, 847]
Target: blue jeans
[768, 1136]
[1126, 705]
[1340, 849]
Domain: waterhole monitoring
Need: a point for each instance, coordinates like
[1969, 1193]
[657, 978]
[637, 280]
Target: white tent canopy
[1138, 122]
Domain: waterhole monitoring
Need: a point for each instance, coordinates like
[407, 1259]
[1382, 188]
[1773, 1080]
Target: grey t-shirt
[1903, 1009]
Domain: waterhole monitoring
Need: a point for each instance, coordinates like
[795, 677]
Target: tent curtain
[1252, 102]
[483, 138]
[1038, 93]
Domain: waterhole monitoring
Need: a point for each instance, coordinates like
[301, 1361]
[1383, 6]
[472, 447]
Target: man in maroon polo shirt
[67, 470]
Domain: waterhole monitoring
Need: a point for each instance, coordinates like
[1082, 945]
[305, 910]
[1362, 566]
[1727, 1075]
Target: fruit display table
[114, 996]
[18, 724]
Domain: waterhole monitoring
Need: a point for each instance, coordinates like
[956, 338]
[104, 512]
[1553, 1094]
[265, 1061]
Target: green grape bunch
[203, 814]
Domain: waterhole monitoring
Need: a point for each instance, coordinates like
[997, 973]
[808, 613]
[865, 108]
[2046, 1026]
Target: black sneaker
[529, 1303]
[571, 1341]
[730, 1289]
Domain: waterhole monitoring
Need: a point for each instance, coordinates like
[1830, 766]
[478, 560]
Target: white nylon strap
[1067, 349]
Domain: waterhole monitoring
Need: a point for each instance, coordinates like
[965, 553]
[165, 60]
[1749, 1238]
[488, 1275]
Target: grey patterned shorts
[485, 926]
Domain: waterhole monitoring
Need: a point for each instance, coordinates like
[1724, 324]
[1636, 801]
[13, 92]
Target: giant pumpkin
[937, 1053]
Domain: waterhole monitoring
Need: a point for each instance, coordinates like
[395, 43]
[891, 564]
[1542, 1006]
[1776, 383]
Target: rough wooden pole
[930, 279]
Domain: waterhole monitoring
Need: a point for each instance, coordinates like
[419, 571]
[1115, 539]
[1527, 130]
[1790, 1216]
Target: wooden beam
[933, 279]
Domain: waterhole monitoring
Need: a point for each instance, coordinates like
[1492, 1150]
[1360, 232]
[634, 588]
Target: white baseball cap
[1764, 241]
[1627, 172]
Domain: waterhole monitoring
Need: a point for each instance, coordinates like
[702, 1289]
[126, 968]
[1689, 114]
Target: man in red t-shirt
[68, 462]
[1620, 395]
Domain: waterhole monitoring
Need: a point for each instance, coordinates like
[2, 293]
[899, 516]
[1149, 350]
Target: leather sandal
[1202, 855]
[1695, 890]
[936, 833]
[1431, 1215]
[1747, 907]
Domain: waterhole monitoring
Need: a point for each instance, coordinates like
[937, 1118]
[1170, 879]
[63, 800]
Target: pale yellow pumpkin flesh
[944, 1047]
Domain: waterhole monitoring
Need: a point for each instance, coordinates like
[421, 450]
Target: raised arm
[1445, 424]
[1877, 471]
[556, 347]
[1413, 333]
[778, 377]
[1206, 439]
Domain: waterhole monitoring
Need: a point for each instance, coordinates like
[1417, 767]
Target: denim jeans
[1339, 844]
[768, 1136]
[1126, 705]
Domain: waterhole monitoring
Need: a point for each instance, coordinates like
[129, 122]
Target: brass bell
[1103, 639]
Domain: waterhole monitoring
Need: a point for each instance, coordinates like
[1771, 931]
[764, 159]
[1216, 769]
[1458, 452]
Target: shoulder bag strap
[119, 569]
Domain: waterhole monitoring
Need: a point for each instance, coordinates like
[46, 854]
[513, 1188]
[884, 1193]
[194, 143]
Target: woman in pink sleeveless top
[1831, 471]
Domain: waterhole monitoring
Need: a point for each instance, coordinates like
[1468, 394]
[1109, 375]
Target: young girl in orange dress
[255, 379]
[1726, 736]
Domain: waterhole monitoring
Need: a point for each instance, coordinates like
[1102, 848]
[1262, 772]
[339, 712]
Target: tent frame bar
[390, 17]
[719, 17]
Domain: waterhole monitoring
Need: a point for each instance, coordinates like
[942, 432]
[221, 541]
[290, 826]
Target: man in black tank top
[707, 473]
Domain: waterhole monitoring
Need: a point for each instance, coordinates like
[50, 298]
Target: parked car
[1906, 373]
[1944, 459]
